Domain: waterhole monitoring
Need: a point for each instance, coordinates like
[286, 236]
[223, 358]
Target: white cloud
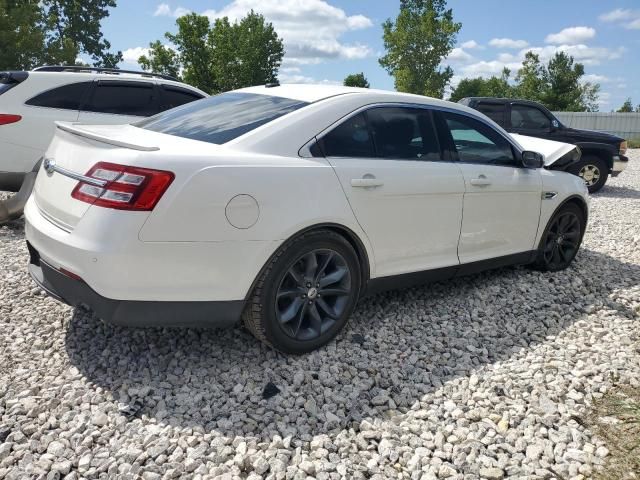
[594, 78]
[471, 44]
[604, 98]
[508, 57]
[507, 43]
[571, 35]
[458, 55]
[581, 53]
[629, 19]
[311, 30]
[486, 68]
[616, 15]
[164, 10]
[131, 55]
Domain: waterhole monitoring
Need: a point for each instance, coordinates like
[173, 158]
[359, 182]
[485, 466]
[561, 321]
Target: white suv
[30, 103]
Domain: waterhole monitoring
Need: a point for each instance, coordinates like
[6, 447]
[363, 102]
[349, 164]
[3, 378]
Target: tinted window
[530, 118]
[174, 97]
[67, 97]
[221, 118]
[123, 98]
[495, 111]
[404, 133]
[349, 139]
[476, 142]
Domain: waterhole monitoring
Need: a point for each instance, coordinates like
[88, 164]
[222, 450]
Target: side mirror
[555, 124]
[532, 159]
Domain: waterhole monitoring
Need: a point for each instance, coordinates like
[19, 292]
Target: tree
[563, 90]
[422, 35]
[484, 87]
[627, 106]
[356, 80]
[219, 57]
[530, 78]
[53, 32]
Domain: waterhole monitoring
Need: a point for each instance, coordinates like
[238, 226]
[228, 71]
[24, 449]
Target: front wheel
[306, 293]
[593, 171]
[561, 239]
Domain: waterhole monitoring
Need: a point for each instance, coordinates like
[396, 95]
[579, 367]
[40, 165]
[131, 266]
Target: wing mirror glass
[532, 159]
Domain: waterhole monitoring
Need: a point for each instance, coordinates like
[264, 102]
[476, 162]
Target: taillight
[126, 188]
[7, 118]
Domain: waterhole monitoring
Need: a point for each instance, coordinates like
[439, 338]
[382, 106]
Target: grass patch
[615, 418]
[633, 143]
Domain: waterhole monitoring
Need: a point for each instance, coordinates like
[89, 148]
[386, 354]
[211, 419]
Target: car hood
[581, 135]
[551, 150]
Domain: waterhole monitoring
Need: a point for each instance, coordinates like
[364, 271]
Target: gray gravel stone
[480, 377]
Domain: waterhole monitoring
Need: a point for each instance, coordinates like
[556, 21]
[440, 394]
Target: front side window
[221, 118]
[476, 142]
[123, 98]
[66, 97]
[529, 118]
[404, 133]
[349, 139]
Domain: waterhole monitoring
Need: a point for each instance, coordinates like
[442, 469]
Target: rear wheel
[561, 239]
[593, 171]
[306, 294]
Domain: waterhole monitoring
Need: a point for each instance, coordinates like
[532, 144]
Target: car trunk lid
[74, 150]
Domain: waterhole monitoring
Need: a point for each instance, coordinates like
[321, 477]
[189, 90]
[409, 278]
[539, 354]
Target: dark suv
[602, 153]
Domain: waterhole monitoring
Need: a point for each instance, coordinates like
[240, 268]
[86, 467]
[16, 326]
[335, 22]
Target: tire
[299, 304]
[561, 239]
[593, 170]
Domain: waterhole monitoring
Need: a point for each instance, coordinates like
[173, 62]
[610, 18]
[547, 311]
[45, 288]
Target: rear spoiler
[81, 132]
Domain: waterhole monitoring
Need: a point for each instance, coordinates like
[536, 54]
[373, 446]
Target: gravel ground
[482, 377]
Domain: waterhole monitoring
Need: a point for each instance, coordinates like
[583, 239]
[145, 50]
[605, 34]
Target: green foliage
[356, 80]
[34, 32]
[556, 85]
[563, 91]
[219, 57]
[421, 36]
[627, 107]
[484, 87]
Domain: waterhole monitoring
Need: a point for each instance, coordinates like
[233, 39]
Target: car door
[405, 196]
[120, 101]
[530, 120]
[502, 199]
[61, 103]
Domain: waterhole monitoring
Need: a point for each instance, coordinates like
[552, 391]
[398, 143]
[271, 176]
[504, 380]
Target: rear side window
[404, 133]
[495, 111]
[349, 139]
[173, 97]
[221, 118]
[123, 98]
[529, 118]
[476, 142]
[66, 97]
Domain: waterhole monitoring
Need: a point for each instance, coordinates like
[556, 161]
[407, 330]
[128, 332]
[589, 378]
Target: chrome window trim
[370, 106]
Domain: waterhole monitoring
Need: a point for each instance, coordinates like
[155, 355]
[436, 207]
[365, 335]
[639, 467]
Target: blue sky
[327, 39]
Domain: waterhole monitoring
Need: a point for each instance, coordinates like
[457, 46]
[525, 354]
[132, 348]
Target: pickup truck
[603, 154]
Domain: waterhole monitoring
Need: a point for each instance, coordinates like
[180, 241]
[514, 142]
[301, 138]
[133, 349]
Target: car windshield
[221, 118]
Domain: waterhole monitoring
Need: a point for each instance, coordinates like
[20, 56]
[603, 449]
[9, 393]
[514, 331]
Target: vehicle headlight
[623, 147]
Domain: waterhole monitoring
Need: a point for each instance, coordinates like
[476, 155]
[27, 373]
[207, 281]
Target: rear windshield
[221, 118]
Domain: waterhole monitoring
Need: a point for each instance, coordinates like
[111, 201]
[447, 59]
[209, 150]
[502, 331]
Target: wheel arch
[347, 233]
[603, 152]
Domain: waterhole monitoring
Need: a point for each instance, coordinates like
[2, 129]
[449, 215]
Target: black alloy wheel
[562, 239]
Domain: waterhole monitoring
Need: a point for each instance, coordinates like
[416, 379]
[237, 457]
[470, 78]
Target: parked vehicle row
[283, 205]
[30, 103]
[603, 154]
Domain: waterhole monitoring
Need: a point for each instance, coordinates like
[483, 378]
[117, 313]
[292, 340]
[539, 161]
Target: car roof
[501, 100]
[312, 93]
[86, 75]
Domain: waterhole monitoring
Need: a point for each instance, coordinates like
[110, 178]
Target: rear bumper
[620, 162]
[77, 293]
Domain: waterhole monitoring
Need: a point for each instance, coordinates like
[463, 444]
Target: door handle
[366, 182]
[481, 181]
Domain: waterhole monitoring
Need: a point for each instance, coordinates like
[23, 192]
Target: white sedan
[283, 205]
